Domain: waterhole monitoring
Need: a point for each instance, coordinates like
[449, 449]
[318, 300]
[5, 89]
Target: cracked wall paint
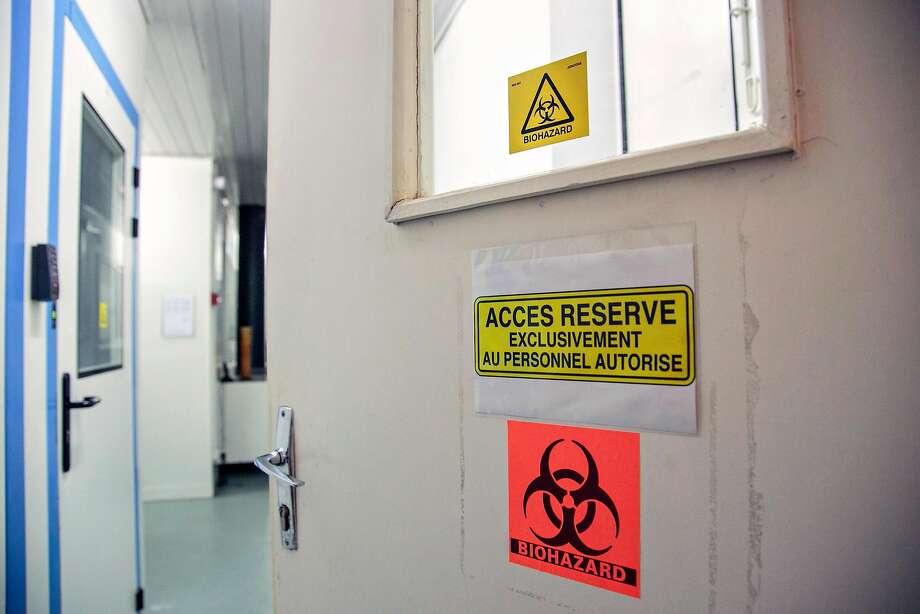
[713, 558]
[752, 397]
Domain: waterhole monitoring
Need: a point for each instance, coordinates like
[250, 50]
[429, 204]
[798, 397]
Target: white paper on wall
[538, 269]
[178, 316]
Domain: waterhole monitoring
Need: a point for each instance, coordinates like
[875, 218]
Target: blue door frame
[64, 10]
[13, 323]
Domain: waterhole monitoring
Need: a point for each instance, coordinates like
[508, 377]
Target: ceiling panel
[207, 86]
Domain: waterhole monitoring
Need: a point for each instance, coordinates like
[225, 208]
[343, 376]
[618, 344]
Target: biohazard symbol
[588, 493]
[546, 103]
[546, 109]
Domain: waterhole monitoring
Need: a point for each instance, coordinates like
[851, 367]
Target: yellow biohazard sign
[625, 335]
[548, 104]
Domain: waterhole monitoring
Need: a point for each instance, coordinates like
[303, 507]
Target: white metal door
[97, 507]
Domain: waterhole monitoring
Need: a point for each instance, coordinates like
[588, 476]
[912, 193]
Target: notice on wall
[548, 104]
[103, 315]
[628, 335]
[574, 504]
[601, 338]
[178, 316]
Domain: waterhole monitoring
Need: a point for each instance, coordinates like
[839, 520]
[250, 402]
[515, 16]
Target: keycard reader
[45, 285]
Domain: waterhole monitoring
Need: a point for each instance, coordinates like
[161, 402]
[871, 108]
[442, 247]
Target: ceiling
[206, 87]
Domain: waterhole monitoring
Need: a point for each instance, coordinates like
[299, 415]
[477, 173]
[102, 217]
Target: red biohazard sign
[573, 503]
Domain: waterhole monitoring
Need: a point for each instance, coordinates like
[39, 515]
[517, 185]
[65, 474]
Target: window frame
[412, 118]
[106, 133]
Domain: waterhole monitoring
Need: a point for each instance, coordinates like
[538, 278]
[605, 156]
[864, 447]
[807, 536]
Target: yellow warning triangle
[548, 108]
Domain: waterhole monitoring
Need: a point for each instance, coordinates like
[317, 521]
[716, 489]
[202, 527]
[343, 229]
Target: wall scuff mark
[752, 397]
[541, 598]
[713, 498]
[460, 399]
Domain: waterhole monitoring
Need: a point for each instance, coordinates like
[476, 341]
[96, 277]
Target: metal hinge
[751, 79]
[139, 600]
[137, 177]
[135, 227]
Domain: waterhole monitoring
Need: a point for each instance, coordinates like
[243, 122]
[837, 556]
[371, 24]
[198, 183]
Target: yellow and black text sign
[548, 104]
[625, 335]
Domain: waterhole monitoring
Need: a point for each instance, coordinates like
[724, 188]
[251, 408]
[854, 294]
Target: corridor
[207, 556]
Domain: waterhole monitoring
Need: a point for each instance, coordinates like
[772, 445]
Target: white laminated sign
[604, 338]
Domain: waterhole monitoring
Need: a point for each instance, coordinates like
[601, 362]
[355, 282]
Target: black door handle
[66, 406]
[86, 402]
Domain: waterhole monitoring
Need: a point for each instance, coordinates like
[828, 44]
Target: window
[669, 85]
[100, 307]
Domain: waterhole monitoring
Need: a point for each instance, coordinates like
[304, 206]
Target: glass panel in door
[100, 345]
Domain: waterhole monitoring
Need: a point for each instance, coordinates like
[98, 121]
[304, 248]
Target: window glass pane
[678, 71]
[100, 314]
[482, 43]
[659, 72]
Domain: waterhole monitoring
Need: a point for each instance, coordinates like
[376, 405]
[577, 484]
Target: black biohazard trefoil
[587, 492]
[549, 106]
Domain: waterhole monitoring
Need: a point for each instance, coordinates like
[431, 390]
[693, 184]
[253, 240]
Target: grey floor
[210, 555]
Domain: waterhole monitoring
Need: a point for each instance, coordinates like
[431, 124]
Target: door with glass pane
[406, 504]
[97, 527]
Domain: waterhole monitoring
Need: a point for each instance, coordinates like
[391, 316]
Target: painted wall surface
[124, 40]
[122, 30]
[800, 492]
[245, 421]
[35, 316]
[177, 397]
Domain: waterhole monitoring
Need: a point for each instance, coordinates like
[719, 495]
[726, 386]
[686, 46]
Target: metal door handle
[269, 464]
[279, 464]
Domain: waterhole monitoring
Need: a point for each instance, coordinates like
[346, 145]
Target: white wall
[122, 31]
[245, 426]
[177, 398]
[800, 492]
[34, 314]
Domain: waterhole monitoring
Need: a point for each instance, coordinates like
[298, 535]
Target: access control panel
[45, 283]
